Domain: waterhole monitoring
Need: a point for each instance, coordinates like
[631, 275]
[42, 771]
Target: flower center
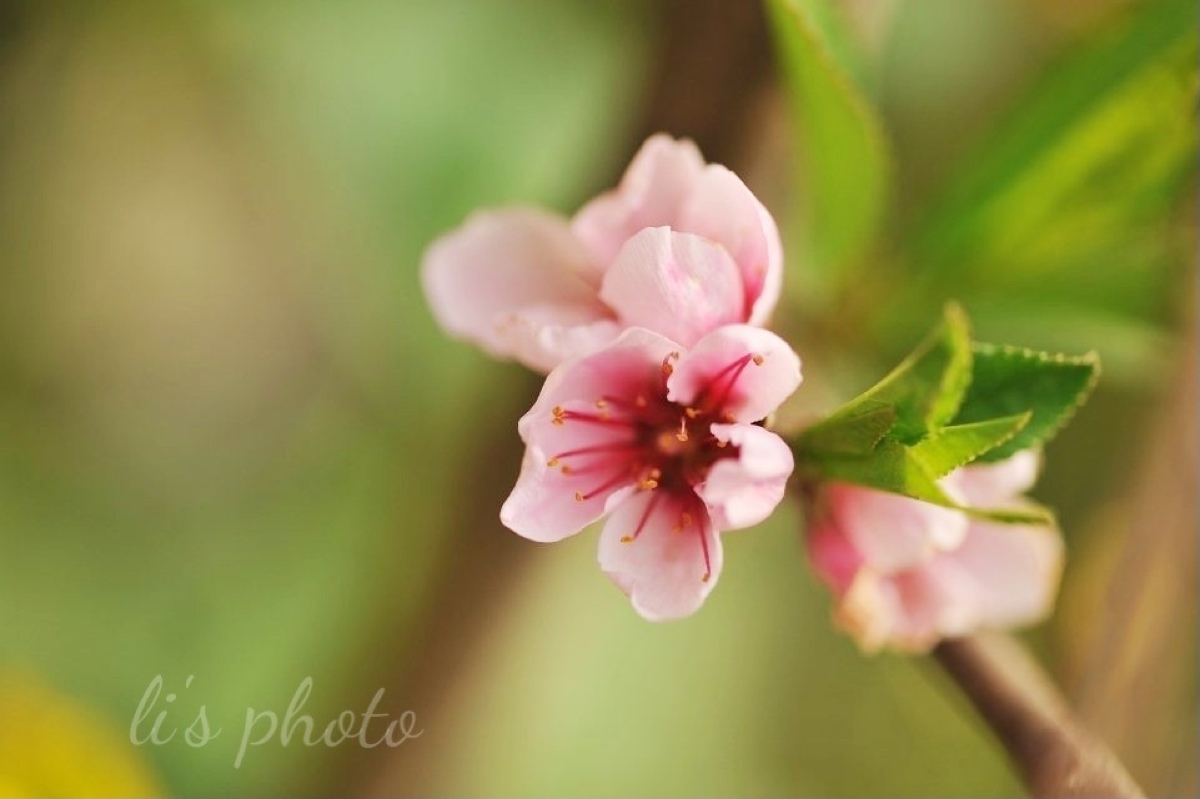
[654, 444]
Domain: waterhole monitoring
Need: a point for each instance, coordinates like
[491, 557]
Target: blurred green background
[235, 445]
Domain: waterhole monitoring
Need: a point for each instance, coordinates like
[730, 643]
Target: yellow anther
[566, 469]
[625, 539]
[706, 577]
[558, 413]
[579, 496]
[552, 463]
[692, 413]
[758, 360]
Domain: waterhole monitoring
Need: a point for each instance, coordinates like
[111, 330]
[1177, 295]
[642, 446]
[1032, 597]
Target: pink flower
[680, 247]
[662, 440]
[907, 573]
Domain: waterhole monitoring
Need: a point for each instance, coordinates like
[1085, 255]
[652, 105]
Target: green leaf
[1079, 173]
[1009, 380]
[845, 159]
[951, 447]
[898, 469]
[854, 433]
[890, 467]
[927, 387]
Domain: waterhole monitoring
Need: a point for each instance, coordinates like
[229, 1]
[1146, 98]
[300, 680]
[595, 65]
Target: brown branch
[1056, 756]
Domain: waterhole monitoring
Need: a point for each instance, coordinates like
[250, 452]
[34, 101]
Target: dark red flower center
[656, 445]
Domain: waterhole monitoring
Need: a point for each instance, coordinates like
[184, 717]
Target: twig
[1056, 756]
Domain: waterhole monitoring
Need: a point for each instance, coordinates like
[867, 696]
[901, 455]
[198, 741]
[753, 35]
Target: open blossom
[662, 439]
[681, 247]
[907, 573]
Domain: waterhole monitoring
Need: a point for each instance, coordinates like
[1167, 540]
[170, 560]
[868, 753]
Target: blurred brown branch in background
[1056, 756]
[712, 58]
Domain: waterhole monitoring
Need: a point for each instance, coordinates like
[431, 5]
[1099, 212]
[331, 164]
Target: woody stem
[1055, 755]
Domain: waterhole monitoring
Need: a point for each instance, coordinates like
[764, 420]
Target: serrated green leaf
[856, 433]
[1009, 380]
[897, 469]
[890, 467]
[1027, 513]
[927, 387]
[947, 449]
[846, 164]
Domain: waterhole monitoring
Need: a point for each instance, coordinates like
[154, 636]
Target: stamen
[724, 380]
[704, 548]
[682, 435]
[685, 521]
[607, 484]
[609, 446]
[667, 367]
[602, 418]
[625, 539]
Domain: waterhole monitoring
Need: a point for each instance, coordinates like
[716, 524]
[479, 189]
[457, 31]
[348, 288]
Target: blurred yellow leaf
[51, 745]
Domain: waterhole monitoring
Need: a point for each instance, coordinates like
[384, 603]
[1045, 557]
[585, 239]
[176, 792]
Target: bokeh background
[233, 444]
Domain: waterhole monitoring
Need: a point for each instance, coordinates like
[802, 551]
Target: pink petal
[503, 275]
[744, 490]
[910, 611]
[655, 559]
[629, 366]
[893, 532]
[543, 505]
[936, 601]
[834, 558]
[650, 195]
[869, 610]
[749, 391]
[676, 284]
[723, 209]
[543, 336]
[1015, 571]
[996, 485]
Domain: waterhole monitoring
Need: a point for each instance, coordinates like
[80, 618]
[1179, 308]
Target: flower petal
[629, 366]
[744, 490]
[710, 371]
[503, 275]
[543, 336]
[543, 505]
[721, 207]
[656, 554]
[677, 284]
[909, 611]
[996, 485]
[893, 532]
[869, 610]
[1015, 570]
[834, 558]
[650, 195]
